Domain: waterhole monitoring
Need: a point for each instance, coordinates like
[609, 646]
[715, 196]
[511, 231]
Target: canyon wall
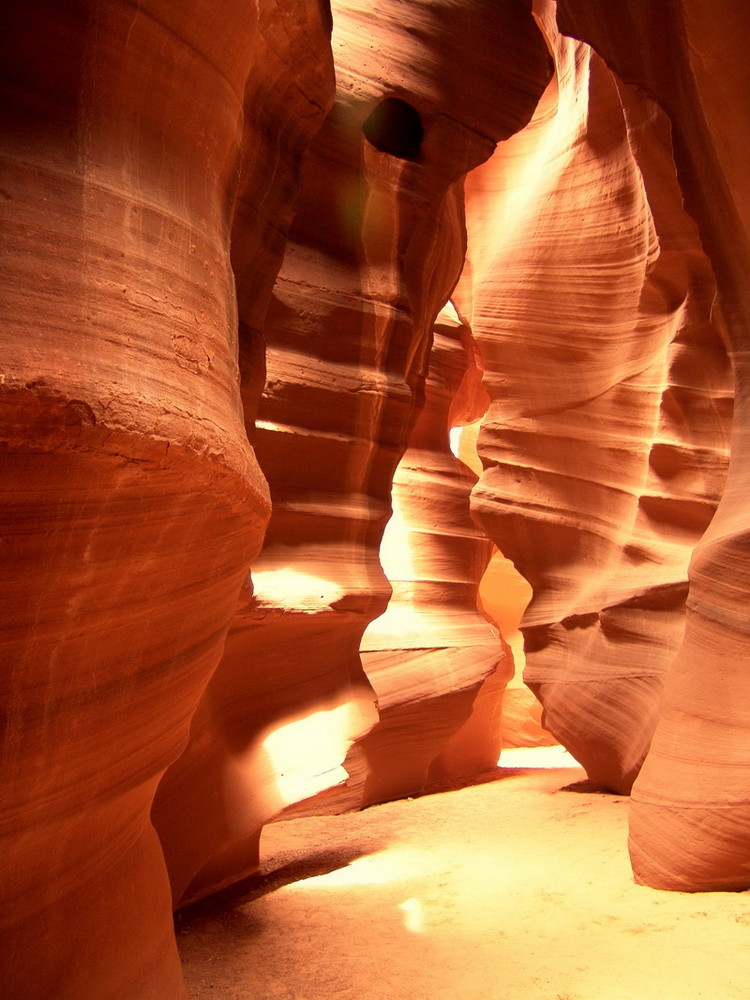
[259, 261]
[212, 802]
[690, 816]
[374, 251]
[605, 443]
[132, 503]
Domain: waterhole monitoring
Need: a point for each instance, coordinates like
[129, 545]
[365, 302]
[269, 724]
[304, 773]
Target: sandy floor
[515, 889]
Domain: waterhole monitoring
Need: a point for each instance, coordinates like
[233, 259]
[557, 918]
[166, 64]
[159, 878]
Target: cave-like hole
[395, 127]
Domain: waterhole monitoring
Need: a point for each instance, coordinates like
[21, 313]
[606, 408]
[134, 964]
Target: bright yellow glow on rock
[503, 597]
[294, 588]
[463, 442]
[455, 440]
[307, 753]
[448, 314]
[395, 547]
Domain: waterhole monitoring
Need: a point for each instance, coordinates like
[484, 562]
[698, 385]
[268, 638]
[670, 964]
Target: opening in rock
[395, 127]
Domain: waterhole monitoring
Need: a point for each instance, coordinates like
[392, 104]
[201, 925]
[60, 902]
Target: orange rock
[229, 234]
[374, 251]
[605, 442]
[690, 817]
[132, 504]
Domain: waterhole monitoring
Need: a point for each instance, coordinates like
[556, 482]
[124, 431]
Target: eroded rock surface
[132, 503]
[690, 821]
[606, 440]
[228, 235]
[212, 802]
[432, 652]
[375, 249]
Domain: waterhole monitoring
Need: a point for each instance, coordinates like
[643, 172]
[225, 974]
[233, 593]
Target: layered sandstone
[376, 246]
[132, 504]
[214, 799]
[432, 657]
[690, 821]
[229, 233]
[605, 442]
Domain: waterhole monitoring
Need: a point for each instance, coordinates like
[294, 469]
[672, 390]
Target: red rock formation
[132, 504]
[503, 597]
[226, 763]
[690, 820]
[605, 442]
[374, 251]
[143, 145]
[431, 652]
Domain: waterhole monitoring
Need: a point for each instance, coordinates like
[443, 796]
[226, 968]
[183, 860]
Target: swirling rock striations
[690, 817]
[514, 718]
[605, 442]
[211, 803]
[132, 504]
[201, 226]
[432, 655]
[374, 251]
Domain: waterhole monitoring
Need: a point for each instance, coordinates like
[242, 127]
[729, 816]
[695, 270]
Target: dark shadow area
[395, 127]
[468, 781]
[216, 924]
[296, 869]
[589, 787]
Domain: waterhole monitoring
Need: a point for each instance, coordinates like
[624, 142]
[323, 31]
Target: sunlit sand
[516, 889]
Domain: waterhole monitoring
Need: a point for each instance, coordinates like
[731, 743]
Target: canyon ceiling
[264, 261]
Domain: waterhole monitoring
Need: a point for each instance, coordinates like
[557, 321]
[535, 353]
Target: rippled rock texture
[132, 503]
[606, 438]
[690, 820]
[259, 258]
[374, 251]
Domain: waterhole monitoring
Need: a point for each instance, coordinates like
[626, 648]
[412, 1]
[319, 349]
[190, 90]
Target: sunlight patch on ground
[524, 894]
[413, 912]
[373, 869]
[537, 757]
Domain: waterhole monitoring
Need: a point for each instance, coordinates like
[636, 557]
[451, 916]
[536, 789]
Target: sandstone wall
[132, 503]
[231, 231]
[374, 251]
[690, 820]
[605, 444]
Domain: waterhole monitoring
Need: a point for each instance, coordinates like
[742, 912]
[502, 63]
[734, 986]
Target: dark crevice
[395, 127]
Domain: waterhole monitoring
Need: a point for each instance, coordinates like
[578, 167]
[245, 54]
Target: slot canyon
[372, 406]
